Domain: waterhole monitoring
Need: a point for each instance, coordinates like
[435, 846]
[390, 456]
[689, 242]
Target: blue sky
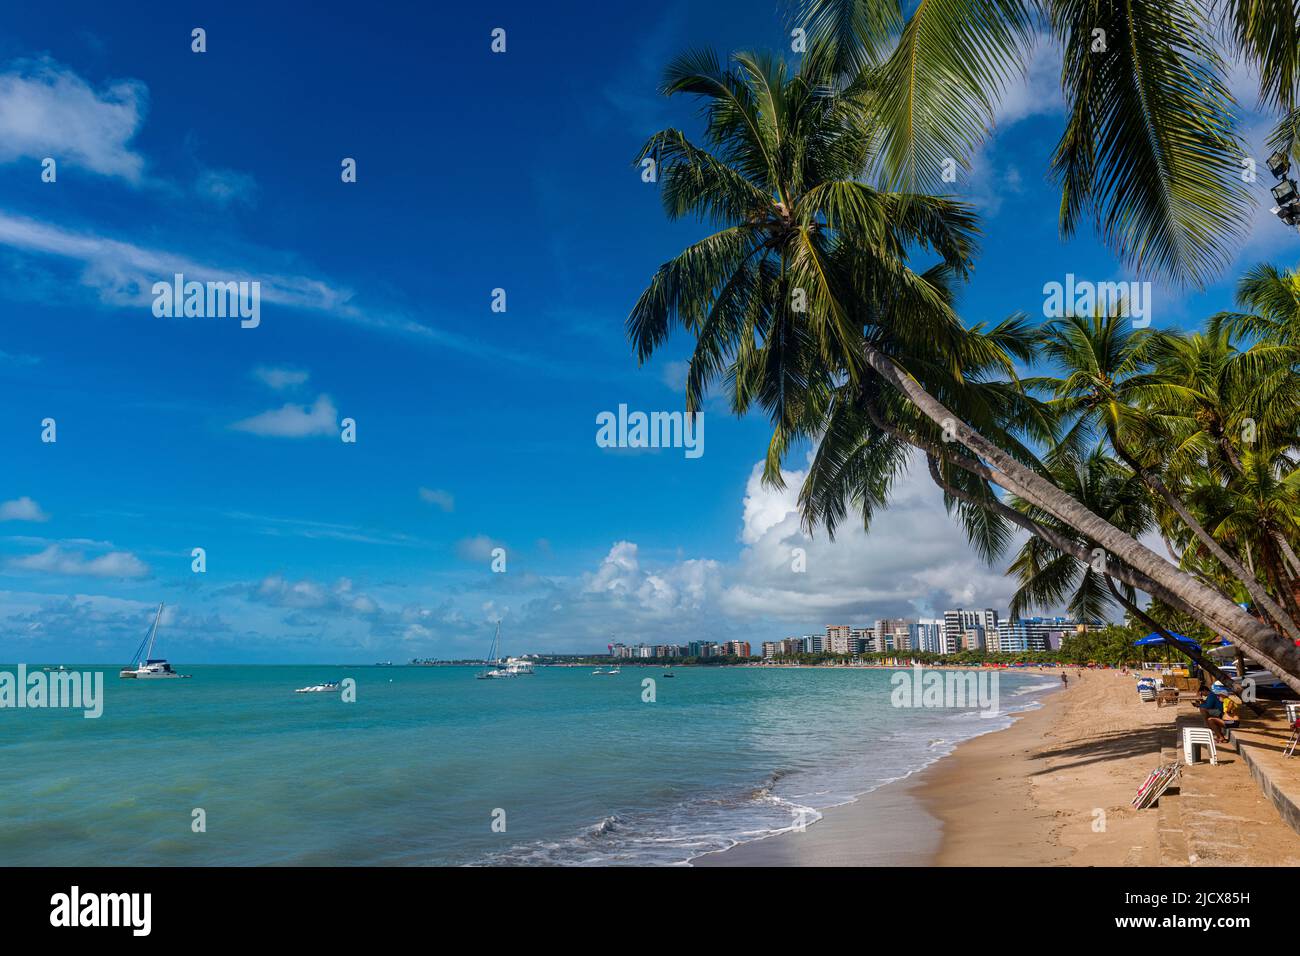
[475, 429]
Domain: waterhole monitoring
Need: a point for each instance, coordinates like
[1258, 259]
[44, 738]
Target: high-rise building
[1035, 634]
[838, 638]
[958, 622]
[894, 634]
[929, 636]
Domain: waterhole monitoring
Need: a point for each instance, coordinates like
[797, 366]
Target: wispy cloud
[226, 187]
[57, 560]
[280, 378]
[46, 109]
[436, 496]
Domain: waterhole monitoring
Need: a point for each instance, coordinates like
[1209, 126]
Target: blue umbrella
[1154, 638]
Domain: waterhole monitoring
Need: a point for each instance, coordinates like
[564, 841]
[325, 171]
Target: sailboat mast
[153, 634]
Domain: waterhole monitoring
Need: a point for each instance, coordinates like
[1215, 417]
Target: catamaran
[150, 667]
[513, 666]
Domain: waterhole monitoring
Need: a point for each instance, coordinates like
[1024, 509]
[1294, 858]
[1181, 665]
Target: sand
[1052, 789]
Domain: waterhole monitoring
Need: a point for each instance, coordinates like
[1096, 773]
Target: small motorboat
[318, 688]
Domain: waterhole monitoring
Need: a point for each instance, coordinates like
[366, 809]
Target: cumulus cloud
[914, 560]
[436, 496]
[294, 421]
[46, 109]
[22, 509]
[56, 560]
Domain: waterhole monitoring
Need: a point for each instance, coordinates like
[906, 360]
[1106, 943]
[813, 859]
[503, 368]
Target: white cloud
[294, 421]
[56, 560]
[1038, 92]
[915, 559]
[22, 509]
[46, 109]
[477, 548]
[436, 496]
[280, 378]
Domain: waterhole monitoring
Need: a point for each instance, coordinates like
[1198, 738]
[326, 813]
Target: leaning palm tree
[1105, 384]
[1148, 154]
[803, 300]
[1050, 577]
[1258, 512]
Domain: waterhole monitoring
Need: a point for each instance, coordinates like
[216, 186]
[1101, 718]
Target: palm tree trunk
[1261, 597]
[1279, 655]
[1060, 542]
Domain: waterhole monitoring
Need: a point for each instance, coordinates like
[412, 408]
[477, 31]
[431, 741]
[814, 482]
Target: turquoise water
[414, 771]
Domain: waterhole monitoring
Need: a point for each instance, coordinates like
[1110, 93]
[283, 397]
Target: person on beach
[1211, 708]
[1065, 681]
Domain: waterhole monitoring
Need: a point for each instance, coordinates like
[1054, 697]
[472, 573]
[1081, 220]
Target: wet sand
[1052, 789]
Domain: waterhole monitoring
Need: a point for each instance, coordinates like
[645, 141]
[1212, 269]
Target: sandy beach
[1051, 789]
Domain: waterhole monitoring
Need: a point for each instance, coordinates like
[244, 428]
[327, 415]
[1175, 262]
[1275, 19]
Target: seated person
[1211, 707]
[1231, 711]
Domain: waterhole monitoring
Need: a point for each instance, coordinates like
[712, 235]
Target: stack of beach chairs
[1194, 738]
[1155, 784]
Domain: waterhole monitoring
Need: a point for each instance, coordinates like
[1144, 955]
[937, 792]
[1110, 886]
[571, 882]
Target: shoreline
[1028, 794]
[899, 823]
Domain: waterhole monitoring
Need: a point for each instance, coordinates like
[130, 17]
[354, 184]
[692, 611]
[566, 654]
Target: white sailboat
[150, 667]
[513, 666]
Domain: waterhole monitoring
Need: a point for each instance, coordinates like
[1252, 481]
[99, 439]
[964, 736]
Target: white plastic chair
[1193, 739]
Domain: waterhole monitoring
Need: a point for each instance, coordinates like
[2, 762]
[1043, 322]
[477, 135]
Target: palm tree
[1106, 383]
[1049, 576]
[804, 299]
[1148, 152]
[1256, 512]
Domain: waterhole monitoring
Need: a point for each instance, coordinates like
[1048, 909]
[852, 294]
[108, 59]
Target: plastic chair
[1194, 738]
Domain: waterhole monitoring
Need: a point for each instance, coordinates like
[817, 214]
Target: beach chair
[1194, 738]
[1155, 785]
[1292, 711]
[1294, 741]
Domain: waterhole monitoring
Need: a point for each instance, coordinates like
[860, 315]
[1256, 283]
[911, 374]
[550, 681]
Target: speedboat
[318, 688]
[151, 667]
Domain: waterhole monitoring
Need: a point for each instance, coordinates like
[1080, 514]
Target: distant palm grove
[823, 298]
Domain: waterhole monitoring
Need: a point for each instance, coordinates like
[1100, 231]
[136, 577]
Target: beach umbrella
[1154, 638]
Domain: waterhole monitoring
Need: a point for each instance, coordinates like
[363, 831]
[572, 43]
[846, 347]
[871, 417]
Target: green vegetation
[804, 301]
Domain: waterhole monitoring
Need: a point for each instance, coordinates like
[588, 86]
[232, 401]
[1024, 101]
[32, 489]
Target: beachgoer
[1065, 681]
[1231, 711]
[1211, 708]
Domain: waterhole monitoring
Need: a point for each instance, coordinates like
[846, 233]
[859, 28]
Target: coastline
[1024, 795]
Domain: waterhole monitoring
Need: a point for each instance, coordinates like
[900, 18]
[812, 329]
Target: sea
[429, 766]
